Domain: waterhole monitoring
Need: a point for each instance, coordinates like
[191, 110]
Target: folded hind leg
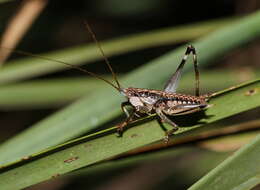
[173, 82]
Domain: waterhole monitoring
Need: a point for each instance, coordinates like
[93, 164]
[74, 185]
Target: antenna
[102, 53]
[62, 62]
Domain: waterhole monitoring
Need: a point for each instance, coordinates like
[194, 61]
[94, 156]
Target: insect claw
[119, 132]
[166, 138]
[120, 128]
[168, 134]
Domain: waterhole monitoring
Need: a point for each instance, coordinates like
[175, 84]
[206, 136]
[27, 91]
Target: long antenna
[102, 52]
[62, 62]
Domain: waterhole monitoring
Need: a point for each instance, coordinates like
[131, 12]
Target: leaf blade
[244, 162]
[89, 150]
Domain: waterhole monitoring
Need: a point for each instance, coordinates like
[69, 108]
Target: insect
[163, 103]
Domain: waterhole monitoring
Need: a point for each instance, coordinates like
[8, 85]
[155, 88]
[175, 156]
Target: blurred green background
[61, 25]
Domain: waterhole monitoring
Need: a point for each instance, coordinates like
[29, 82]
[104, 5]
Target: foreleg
[129, 118]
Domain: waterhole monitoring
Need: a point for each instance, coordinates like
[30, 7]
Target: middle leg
[165, 119]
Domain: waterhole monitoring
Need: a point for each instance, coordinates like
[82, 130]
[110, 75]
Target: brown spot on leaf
[134, 135]
[251, 92]
[55, 175]
[87, 145]
[71, 159]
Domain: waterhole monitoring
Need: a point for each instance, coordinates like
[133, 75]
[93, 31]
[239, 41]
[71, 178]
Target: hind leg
[173, 82]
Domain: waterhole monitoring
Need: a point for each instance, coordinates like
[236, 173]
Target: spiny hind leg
[165, 119]
[173, 82]
[191, 49]
[129, 118]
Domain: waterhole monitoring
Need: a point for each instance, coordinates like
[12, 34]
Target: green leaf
[176, 162]
[241, 171]
[91, 149]
[103, 105]
[230, 136]
[46, 93]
